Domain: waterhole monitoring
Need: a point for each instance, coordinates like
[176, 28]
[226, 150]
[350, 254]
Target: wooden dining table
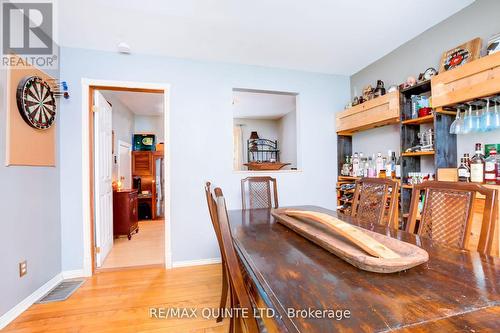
[455, 291]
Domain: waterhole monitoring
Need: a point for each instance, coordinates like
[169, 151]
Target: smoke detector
[123, 48]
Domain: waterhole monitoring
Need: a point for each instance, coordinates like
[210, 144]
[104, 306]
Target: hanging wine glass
[476, 118]
[455, 127]
[468, 121]
[459, 129]
[487, 118]
[496, 116]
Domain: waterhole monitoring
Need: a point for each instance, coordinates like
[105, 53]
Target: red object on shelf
[422, 112]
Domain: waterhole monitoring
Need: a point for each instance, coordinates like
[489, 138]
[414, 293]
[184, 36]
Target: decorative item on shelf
[460, 55]
[425, 111]
[426, 139]
[144, 142]
[368, 92]
[263, 154]
[418, 102]
[493, 44]
[361, 100]
[379, 90]
[427, 75]
[410, 82]
[355, 101]
[392, 88]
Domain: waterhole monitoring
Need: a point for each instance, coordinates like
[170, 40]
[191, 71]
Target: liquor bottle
[397, 168]
[379, 164]
[350, 166]
[477, 166]
[365, 167]
[463, 171]
[355, 165]
[362, 162]
[467, 159]
[393, 166]
[498, 169]
[372, 168]
[490, 168]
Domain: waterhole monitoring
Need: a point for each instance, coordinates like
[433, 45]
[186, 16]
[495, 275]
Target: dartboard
[36, 102]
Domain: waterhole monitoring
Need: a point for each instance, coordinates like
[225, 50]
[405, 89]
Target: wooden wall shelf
[377, 112]
[479, 78]
[418, 121]
[419, 153]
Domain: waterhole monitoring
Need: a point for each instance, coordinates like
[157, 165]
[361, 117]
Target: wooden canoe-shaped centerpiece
[364, 249]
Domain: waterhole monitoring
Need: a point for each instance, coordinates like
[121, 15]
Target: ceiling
[328, 36]
[262, 105]
[140, 103]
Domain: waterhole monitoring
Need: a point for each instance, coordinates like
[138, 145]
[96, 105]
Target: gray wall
[480, 19]
[30, 224]
[201, 137]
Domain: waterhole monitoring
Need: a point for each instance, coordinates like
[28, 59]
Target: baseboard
[77, 273]
[28, 301]
[199, 262]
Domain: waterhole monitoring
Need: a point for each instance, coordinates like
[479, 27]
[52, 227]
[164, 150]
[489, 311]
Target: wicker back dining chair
[375, 200]
[240, 296]
[212, 209]
[447, 213]
[256, 192]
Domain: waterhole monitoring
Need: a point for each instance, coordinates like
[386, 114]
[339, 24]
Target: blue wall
[201, 139]
[29, 222]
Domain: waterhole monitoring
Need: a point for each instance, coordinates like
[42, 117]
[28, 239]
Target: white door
[125, 164]
[103, 190]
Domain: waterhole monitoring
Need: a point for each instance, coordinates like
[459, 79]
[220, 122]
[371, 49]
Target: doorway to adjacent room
[128, 178]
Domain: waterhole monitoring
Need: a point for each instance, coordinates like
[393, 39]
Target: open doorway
[128, 177]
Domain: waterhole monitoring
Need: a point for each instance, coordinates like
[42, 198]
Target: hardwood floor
[120, 301]
[145, 248]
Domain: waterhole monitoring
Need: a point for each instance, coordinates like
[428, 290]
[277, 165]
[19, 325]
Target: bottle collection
[375, 166]
[480, 168]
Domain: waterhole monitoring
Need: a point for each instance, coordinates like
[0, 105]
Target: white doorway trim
[87, 241]
[119, 160]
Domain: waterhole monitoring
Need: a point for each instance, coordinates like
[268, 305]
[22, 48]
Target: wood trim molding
[88, 88]
[188, 263]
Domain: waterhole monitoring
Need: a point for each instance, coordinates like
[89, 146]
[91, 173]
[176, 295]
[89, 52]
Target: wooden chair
[447, 213]
[212, 209]
[370, 199]
[257, 191]
[239, 292]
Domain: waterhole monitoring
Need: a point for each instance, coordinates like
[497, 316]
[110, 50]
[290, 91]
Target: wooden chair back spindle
[370, 201]
[447, 213]
[256, 192]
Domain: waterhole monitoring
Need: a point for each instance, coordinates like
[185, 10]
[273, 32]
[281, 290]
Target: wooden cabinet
[477, 79]
[125, 213]
[148, 165]
[142, 163]
[380, 111]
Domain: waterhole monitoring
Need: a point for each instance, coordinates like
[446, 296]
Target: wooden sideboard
[125, 213]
